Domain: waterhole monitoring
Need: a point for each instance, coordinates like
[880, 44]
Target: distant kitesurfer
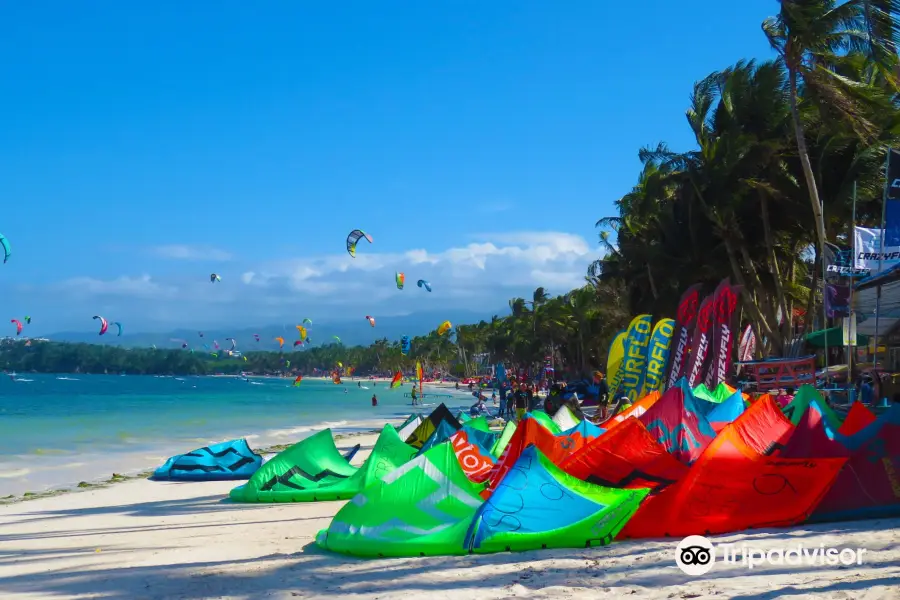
[374, 400]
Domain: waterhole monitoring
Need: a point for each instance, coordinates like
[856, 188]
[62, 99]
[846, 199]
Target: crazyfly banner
[868, 248]
[685, 320]
[724, 304]
[657, 357]
[700, 342]
[635, 355]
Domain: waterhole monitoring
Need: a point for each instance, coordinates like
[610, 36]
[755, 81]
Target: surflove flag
[636, 355]
[700, 342]
[725, 300]
[685, 320]
[657, 357]
[615, 358]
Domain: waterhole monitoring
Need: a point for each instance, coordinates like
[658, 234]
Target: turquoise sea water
[59, 430]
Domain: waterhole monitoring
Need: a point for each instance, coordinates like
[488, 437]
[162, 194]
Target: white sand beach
[145, 540]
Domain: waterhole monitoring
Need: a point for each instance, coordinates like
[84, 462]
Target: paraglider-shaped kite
[103, 324]
[401, 279]
[404, 345]
[27, 320]
[256, 336]
[233, 343]
[353, 238]
[307, 321]
[371, 320]
[444, 328]
[424, 284]
[337, 338]
[18, 325]
[119, 325]
[302, 331]
[280, 341]
[214, 278]
[7, 251]
[298, 343]
[200, 333]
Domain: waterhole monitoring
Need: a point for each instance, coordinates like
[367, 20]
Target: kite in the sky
[280, 341]
[7, 251]
[307, 321]
[119, 325]
[27, 320]
[214, 278]
[353, 238]
[424, 284]
[337, 338]
[444, 328]
[400, 278]
[404, 345]
[18, 325]
[103, 324]
[302, 331]
[371, 320]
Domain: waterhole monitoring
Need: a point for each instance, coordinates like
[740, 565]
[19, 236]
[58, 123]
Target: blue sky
[477, 142]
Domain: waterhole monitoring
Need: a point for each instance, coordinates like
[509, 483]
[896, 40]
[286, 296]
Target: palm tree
[812, 37]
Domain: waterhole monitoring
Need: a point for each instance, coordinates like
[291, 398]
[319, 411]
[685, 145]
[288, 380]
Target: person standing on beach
[521, 400]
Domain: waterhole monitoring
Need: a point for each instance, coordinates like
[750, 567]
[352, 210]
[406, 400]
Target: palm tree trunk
[749, 304]
[652, 283]
[803, 152]
[770, 251]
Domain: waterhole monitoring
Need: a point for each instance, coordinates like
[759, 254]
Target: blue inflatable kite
[219, 462]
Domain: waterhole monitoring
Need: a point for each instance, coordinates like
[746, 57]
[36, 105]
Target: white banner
[868, 249]
[848, 326]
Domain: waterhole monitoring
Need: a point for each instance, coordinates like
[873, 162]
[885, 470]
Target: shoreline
[356, 428]
[100, 483]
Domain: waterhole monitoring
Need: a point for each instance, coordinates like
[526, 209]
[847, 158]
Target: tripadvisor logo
[695, 555]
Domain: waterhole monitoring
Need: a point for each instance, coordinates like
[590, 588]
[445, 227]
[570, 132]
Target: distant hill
[352, 333]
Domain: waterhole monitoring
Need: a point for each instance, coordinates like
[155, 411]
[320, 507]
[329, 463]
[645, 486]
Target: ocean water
[56, 431]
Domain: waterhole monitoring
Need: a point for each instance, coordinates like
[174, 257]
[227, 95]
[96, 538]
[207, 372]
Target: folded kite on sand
[314, 470]
[227, 460]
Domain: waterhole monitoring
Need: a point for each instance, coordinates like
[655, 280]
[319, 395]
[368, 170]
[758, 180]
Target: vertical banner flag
[747, 345]
[848, 330]
[837, 300]
[419, 375]
[725, 303]
[892, 210]
[635, 355]
[700, 342]
[685, 320]
[657, 357]
[614, 360]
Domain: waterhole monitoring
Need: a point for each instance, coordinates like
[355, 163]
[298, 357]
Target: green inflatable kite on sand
[422, 508]
[429, 507]
[314, 470]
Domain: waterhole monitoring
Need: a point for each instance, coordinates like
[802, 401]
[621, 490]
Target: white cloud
[479, 276]
[523, 260]
[185, 252]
